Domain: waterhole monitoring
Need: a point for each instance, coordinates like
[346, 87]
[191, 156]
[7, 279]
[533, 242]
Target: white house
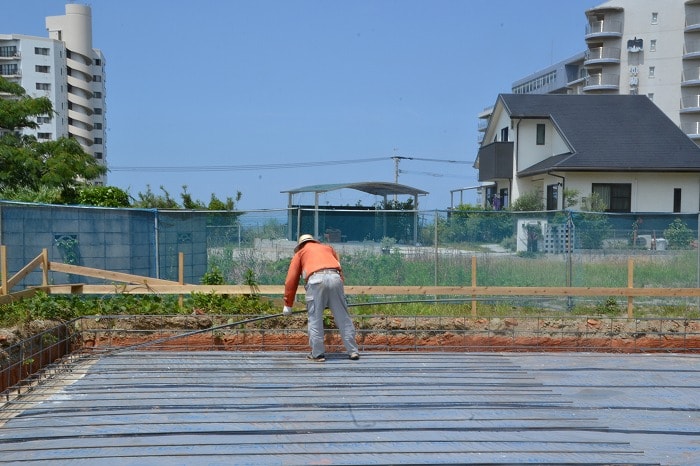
[622, 147]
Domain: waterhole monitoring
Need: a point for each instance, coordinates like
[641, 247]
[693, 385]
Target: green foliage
[26, 163]
[571, 197]
[529, 202]
[591, 226]
[22, 110]
[678, 235]
[467, 225]
[188, 202]
[150, 200]
[609, 308]
[43, 195]
[68, 247]
[213, 277]
[103, 196]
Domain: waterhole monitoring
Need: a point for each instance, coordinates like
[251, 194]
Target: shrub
[678, 235]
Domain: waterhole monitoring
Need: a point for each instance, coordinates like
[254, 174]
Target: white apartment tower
[647, 47]
[65, 68]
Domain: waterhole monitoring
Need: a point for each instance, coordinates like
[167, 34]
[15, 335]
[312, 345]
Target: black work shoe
[319, 358]
[354, 356]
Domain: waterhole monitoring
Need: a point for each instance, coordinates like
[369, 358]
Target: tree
[25, 162]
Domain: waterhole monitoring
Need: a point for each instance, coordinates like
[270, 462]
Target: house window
[652, 45]
[504, 134]
[651, 96]
[617, 197]
[655, 18]
[552, 197]
[98, 140]
[98, 155]
[42, 68]
[540, 134]
[43, 86]
[97, 79]
[97, 126]
[98, 62]
[97, 95]
[652, 71]
[8, 51]
[98, 111]
[676, 200]
[43, 119]
[9, 69]
[43, 135]
[41, 51]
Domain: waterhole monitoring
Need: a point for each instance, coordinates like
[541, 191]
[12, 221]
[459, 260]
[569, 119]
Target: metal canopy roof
[378, 188]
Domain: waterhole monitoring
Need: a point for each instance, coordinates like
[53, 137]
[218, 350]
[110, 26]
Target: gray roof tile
[608, 133]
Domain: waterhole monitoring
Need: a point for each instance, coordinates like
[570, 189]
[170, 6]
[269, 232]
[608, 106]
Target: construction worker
[319, 265]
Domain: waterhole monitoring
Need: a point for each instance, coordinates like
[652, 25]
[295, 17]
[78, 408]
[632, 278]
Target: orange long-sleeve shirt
[311, 258]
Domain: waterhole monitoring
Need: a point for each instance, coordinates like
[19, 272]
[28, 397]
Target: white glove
[287, 311]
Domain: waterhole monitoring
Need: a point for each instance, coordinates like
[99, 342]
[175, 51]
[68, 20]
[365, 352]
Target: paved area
[192, 408]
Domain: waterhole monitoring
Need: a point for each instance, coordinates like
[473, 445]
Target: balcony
[692, 21]
[690, 77]
[496, 161]
[604, 28]
[692, 129]
[691, 49]
[602, 82]
[690, 104]
[598, 55]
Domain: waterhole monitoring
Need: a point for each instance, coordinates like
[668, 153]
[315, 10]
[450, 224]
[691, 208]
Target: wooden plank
[394, 290]
[107, 275]
[3, 270]
[11, 298]
[26, 270]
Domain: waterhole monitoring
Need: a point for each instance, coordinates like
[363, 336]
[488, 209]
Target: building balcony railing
[602, 55]
[691, 128]
[496, 161]
[604, 28]
[690, 76]
[692, 21]
[690, 103]
[602, 81]
[691, 49]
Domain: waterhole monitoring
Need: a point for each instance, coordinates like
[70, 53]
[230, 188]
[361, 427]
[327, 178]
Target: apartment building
[646, 47]
[632, 47]
[67, 69]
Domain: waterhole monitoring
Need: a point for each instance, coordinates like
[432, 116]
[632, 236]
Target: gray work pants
[325, 289]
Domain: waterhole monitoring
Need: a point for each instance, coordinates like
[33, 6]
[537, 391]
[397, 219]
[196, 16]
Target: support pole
[3, 269]
[474, 285]
[181, 275]
[630, 284]
[45, 267]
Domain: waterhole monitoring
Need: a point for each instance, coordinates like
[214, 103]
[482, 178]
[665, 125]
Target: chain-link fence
[378, 247]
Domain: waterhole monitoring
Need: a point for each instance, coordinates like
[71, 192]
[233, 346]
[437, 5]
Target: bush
[678, 235]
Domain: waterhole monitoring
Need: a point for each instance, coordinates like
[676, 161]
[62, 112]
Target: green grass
[365, 268]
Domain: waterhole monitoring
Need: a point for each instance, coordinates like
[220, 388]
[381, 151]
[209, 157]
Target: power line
[269, 166]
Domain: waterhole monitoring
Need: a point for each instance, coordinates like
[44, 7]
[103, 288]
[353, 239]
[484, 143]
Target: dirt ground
[202, 332]
[402, 334]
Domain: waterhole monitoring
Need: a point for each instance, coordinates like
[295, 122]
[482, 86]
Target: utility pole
[396, 171]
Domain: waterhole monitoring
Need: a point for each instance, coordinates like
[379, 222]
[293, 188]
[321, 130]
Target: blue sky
[262, 96]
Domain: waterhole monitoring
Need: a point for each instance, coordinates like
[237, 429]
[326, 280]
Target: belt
[335, 271]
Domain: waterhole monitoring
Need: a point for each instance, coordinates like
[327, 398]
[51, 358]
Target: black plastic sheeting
[194, 408]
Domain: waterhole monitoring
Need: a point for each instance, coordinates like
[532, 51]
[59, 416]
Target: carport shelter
[356, 223]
